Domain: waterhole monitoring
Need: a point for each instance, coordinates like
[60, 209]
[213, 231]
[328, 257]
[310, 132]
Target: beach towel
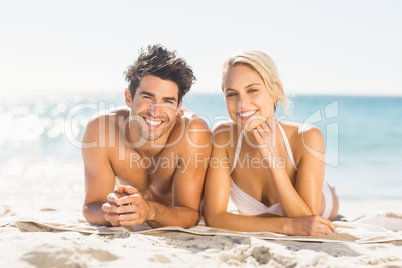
[373, 227]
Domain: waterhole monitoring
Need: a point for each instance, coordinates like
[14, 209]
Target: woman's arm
[304, 198]
[216, 198]
[311, 168]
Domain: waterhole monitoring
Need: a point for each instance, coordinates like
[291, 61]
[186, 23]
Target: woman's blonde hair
[265, 67]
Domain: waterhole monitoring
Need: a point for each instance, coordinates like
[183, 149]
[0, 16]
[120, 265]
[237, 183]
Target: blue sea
[41, 163]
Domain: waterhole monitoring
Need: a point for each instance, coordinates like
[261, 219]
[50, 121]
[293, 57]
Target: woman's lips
[246, 114]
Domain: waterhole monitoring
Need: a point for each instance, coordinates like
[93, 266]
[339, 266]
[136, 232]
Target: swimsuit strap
[237, 153]
[285, 140]
[326, 191]
[287, 146]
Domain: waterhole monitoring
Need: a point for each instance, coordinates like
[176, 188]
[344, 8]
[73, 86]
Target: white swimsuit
[250, 206]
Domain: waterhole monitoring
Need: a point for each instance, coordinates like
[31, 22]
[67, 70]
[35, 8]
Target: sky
[351, 47]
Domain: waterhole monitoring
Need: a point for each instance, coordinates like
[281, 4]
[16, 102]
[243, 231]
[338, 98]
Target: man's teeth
[153, 122]
[246, 114]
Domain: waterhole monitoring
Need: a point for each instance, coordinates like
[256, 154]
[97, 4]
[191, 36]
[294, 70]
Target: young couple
[150, 163]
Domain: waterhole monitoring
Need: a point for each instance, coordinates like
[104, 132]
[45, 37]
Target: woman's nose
[242, 100]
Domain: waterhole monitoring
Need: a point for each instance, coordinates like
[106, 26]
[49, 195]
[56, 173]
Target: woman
[272, 170]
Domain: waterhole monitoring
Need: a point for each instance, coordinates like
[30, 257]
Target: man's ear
[180, 104]
[129, 99]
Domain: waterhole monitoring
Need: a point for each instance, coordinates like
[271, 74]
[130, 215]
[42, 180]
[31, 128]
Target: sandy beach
[54, 238]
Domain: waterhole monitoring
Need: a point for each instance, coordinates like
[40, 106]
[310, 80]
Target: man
[147, 163]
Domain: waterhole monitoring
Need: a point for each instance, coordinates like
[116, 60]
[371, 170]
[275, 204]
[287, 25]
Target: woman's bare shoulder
[300, 130]
[302, 136]
[225, 133]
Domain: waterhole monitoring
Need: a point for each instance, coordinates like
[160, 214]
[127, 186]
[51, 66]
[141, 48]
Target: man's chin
[151, 137]
[154, 135]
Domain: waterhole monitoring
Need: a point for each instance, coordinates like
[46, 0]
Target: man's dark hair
[156, 60]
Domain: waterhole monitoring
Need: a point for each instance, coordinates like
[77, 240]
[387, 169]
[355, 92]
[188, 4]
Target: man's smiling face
[154, 107]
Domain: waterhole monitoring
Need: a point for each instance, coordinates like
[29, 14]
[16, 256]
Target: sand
[49, 238]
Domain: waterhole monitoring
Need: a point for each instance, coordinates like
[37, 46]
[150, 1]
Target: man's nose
[157, 110]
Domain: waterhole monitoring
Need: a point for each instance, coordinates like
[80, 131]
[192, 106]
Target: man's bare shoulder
[189, 122]
[98, 125]
[108, 116]
[191, 130]
[192, 120]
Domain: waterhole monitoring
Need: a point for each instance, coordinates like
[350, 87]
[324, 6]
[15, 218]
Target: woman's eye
[252, 90]
[230, 94]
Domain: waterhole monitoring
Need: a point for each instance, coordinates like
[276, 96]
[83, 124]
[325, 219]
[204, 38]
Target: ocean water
[41, 164]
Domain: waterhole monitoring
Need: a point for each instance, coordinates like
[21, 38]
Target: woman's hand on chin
[266, 137]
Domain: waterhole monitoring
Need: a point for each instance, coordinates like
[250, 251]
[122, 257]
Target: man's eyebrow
[169, 98]
[153, 96]
[147, 93]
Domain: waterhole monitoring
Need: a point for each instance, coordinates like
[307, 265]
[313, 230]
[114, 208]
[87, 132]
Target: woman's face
[247, 99]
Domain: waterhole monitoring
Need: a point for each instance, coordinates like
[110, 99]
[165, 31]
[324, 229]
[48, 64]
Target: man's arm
[99, 175]
[187, 187]
[189, 178]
